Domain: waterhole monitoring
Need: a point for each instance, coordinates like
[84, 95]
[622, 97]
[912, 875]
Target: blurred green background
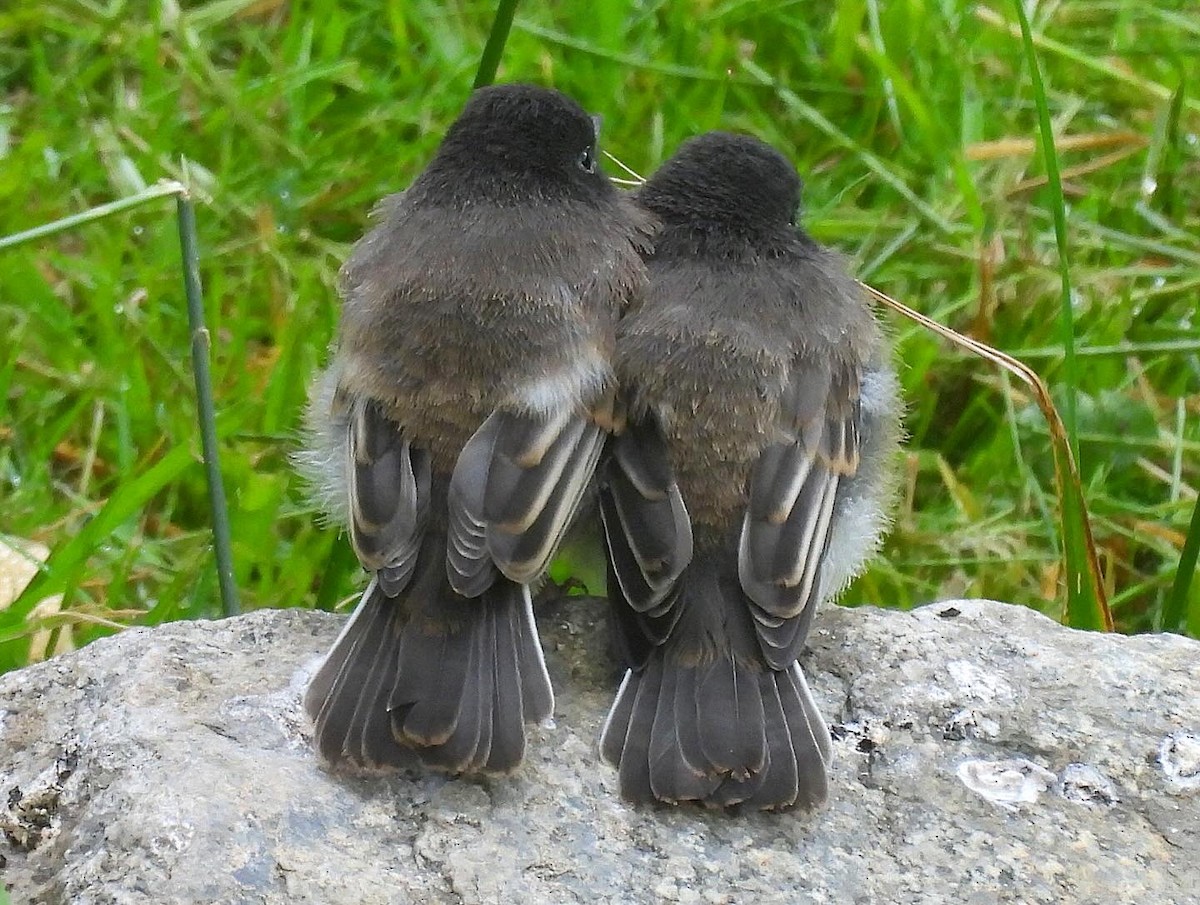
[913, 123]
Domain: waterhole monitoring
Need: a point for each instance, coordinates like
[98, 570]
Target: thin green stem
[222, 546]
[494, 49]
[159, 190]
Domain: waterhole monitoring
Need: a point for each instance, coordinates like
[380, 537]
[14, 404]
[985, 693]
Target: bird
[752, 479]
[457, 428]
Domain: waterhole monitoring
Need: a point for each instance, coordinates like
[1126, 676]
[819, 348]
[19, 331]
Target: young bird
[751, 482]
[459, 424]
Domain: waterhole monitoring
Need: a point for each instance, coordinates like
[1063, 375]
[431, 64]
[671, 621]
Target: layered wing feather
[389, 484]
[515, 488]
[786, 529]
[648, 533]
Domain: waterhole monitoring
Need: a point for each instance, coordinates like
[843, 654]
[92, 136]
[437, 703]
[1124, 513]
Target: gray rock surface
[983, 754]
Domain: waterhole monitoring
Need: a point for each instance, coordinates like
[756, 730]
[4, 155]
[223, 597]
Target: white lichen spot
[1179, 757]
[1006, 783]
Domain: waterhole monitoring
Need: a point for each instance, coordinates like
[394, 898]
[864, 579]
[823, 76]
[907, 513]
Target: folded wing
[389, 482]
[649, 536]
[785, 533]
[515, 488]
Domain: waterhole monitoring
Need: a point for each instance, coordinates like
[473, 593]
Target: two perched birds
[517, 333]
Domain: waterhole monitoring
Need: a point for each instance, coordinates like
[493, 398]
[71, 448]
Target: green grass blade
[1059, 212]
[1083, 608]
[161, 190]
[1176, 614]
[497, 38]
[67, 563]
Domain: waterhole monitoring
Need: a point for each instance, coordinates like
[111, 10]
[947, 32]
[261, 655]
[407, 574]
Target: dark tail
[722, 733]
[432, 677]
[702, 715]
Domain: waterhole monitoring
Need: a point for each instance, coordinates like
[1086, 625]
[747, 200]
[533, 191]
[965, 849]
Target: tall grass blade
[497, 38]
[1085, 608]
[1177, 616]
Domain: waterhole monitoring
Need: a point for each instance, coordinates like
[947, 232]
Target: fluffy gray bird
[752, 482]
[459, 424]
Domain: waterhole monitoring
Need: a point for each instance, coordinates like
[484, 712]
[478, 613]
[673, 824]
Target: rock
[982, 754]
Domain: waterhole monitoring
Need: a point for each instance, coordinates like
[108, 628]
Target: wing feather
[389, 495]
[786, 530]
[515, 489]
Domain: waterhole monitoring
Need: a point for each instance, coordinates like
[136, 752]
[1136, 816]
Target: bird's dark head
[721, 182]
[517, 142]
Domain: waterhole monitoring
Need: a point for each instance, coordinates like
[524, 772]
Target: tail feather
[377, 744]
[321, 684]
[810, 736]
[812, 714]
[507, 740]
[722, 734]
[336, 691]
[369, 734]
[780, 780]
[678, 769]
[438, 666]
[634, 765]
[459, 704]
[664, 752]
[616, 724]
[687, 722]
[776, 785]
[429, 676]
[537, 694]
[731, 719]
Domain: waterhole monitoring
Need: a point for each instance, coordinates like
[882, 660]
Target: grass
[915, 124]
